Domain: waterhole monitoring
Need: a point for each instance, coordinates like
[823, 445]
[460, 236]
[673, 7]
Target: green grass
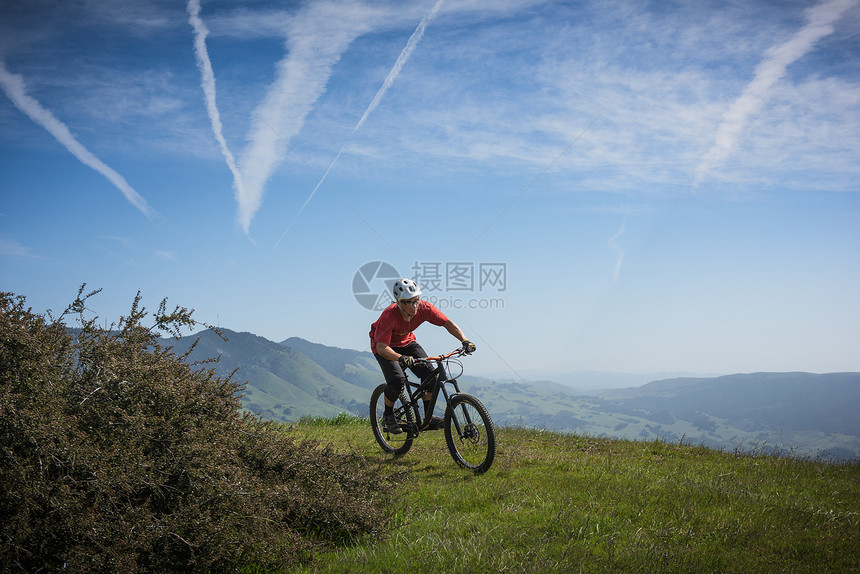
[568, 503]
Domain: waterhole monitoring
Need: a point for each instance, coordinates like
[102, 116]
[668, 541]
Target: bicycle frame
[434, 383]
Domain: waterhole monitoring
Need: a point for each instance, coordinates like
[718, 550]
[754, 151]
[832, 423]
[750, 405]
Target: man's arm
[386, 351]
[452, 328]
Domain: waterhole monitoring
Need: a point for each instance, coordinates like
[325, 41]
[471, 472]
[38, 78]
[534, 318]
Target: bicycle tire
[397, 444]
[474, 447]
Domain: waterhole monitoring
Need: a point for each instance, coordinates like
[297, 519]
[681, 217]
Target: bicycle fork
[441, 381]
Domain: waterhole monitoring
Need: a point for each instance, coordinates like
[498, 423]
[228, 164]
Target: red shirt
[395, 331]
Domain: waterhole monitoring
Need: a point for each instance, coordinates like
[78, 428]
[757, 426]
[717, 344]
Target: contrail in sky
[16, 90]
[819, 23]
[401, 61]
[207, 82]
[411, 44]
[619, 253]
[316, 38]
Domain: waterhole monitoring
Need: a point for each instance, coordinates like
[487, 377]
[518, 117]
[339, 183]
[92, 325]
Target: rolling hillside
[561, 503]
[802, 413]
[282, 383]
[796, 413]
[356, 367]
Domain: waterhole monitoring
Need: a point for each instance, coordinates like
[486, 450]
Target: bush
[117, 456]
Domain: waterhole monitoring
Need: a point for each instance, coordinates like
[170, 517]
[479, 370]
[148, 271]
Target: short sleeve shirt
[393, 330]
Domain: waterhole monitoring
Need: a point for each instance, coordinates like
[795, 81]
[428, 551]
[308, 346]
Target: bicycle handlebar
[459, 352]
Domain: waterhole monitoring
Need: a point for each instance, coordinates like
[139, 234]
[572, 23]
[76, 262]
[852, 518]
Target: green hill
[356, 367]
[574, 503]
[282, 384]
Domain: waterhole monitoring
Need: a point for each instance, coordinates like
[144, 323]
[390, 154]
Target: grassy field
[567, 503]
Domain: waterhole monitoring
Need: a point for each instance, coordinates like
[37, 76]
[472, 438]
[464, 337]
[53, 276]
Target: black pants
[395, 378]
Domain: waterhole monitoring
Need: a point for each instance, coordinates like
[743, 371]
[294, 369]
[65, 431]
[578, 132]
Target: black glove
[468, 346]
[406, 361]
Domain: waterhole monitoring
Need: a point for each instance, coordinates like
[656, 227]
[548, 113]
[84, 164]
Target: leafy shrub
[117, 456]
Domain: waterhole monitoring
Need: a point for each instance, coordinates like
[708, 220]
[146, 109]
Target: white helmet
[405, 289]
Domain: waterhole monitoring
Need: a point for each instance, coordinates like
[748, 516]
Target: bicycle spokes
[395, 443]
[469, 433]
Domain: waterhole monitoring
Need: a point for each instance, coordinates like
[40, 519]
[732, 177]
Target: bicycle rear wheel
[469, 433]
[397, 444]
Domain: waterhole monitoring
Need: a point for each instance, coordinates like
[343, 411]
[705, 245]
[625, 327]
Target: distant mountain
[803, 413]
[806, 412]
[789, 401]
[282, 383]
[356, 367]
[592, 382]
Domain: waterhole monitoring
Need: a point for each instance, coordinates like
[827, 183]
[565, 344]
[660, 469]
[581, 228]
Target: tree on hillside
[117, 456]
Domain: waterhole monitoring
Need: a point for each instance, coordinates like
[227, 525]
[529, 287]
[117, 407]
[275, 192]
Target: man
[393, 343]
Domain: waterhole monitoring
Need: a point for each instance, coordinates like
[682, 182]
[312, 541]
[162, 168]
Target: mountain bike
[469, 431]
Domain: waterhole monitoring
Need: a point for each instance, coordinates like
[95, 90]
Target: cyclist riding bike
[393, 343]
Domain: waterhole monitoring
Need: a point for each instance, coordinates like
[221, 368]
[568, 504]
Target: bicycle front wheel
[396, 444]
[469, 433]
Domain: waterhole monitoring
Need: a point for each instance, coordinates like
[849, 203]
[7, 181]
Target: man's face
[409, 306]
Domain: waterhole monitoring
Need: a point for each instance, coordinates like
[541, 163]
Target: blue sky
[657, 186]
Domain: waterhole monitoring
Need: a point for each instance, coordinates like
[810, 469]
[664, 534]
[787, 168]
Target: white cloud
[316, 39]
[819, 23]
[16, 90]
[208, 86]
[414, 39]
[140, 17]
[167, 255]
[10, 248]
[619, 253]
[411, 44]
[661, 91]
